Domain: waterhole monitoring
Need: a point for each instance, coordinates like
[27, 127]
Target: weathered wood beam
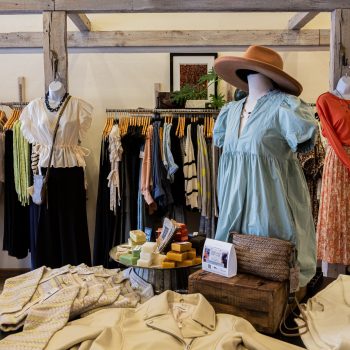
[200, 5]
[301, 19]
[81, 21]
[188, 38]
[339, 46]
[55, 46]
[26, 6]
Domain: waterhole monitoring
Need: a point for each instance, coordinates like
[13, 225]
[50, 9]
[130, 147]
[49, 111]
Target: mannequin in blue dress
[261, 186]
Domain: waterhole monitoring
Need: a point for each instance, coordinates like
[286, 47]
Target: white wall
[126, 80]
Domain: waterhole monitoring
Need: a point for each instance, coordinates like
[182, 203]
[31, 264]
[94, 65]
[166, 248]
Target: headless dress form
[342, 91]
[259, 85]
[343, 88]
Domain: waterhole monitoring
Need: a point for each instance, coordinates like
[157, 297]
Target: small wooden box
[256, 299]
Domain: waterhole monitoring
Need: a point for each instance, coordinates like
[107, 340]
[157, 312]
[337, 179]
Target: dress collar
[202, 315]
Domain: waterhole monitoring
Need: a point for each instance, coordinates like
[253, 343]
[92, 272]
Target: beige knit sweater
[45, 299]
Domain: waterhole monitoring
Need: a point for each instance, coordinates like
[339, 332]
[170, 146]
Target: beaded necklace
[59, 105]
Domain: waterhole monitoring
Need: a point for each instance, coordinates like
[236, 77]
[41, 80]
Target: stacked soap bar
[181, 255]
[137, 237]
[128, 259]
[147, 254]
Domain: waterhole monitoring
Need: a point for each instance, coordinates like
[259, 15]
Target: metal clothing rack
[163, 111]
[14, 104]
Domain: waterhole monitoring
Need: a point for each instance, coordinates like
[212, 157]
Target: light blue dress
[261, 186]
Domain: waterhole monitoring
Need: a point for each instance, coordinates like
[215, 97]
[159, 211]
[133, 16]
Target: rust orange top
[334, 114]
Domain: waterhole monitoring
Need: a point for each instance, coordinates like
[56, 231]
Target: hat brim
[226, 68]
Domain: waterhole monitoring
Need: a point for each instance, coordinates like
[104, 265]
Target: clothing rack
[14, 104]
[161, 111]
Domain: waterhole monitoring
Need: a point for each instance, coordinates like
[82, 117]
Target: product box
[219, 257]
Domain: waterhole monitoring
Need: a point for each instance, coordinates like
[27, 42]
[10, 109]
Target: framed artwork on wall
[187, 68]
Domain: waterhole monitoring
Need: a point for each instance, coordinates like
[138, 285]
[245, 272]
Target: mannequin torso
[56, 91]
[55, 97]
[259, 85]
[343, 88]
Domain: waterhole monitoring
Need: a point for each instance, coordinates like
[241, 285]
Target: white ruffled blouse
[38, 125]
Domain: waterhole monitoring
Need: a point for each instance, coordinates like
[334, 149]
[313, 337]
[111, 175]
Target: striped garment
[190, 172]
[21, 164]
[204, 181]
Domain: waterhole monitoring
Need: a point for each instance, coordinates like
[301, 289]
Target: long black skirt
[62, 236]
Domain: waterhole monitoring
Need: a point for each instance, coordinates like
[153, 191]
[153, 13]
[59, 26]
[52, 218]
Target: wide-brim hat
[259, 59]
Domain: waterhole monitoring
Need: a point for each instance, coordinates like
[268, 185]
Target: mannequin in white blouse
[343, 87]
[259, 85]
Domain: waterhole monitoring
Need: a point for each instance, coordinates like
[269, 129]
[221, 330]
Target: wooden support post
[55, 47]
[340, 46]
[301, 19]
[81, 21]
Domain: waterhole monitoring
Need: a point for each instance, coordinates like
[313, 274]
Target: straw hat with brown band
[259, 59]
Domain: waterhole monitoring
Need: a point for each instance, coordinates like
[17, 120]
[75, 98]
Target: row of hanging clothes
[15, 179]
[154, 163]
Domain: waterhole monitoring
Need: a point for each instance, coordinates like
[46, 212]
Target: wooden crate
[258, 300]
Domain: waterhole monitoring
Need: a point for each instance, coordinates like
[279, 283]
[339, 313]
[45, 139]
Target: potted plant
[199, 92]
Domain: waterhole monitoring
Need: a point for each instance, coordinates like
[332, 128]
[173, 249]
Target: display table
[160, 278]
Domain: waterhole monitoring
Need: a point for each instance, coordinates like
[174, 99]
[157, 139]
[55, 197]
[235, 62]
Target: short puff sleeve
[220, 126]
[85, 118]
[297, 124]
[26, 120]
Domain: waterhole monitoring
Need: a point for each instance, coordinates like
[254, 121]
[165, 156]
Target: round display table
[160, 278]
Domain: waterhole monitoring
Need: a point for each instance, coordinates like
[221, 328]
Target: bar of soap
[158, 259]
[128, 259]
[185, 263]
[146, 256]
[149, 247]
[176, 256]
[138, 236]
[197, 260]
[136, 252]
[144, 263]
[133, 244]
[191, 254]
[168, 264]
[181, 246]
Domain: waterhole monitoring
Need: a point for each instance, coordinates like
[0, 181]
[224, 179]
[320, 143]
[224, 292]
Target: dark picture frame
[188, 67]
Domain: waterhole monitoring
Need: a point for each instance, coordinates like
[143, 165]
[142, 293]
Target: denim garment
[261, 186]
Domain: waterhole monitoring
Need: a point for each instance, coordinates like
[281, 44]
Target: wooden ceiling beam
[154, 6]
[301, 19]
[26, 6]
[81, 21]
[166, 39]
[159, 6]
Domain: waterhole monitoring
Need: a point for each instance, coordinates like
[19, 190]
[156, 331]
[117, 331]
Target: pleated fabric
[105, 218]
[62, 236]
[333, 234]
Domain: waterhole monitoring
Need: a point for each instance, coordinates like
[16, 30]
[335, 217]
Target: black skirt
[62, 236]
